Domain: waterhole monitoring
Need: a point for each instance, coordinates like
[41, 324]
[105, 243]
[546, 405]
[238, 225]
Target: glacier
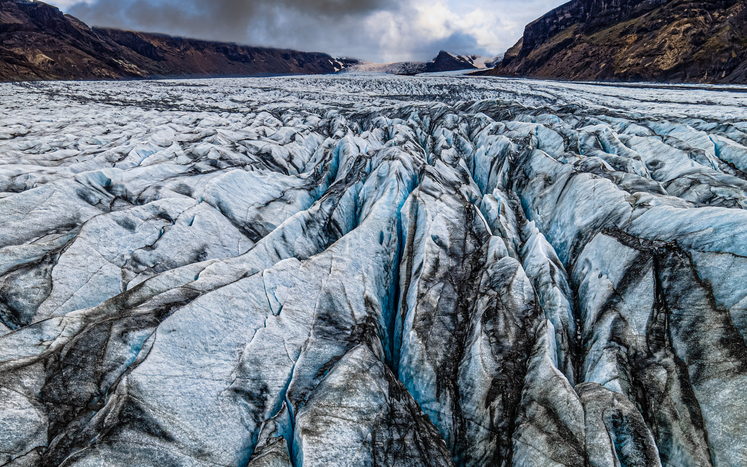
[364, 269]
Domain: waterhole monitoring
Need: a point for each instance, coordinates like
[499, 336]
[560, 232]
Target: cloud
[302, 24]
[376, 30]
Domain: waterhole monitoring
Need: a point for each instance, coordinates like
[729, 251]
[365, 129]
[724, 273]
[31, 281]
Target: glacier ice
[372, 270]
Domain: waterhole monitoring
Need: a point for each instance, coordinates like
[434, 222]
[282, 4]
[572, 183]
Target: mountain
[635, 40]
[38, 42]
[444, 61]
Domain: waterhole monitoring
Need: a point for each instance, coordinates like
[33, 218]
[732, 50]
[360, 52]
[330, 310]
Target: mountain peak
[446, 61]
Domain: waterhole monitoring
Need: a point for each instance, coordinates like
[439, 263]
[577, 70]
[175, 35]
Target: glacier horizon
[372, 270]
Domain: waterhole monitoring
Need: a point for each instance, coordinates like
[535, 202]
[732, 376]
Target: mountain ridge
[701, 41]
[39, 42]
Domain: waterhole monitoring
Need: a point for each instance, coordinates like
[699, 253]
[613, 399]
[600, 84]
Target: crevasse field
[371, 270]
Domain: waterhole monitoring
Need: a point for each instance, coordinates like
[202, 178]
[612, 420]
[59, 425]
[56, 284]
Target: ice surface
[372, 270]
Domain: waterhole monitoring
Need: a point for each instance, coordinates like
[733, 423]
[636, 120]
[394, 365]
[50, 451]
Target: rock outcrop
[38, 42]
[314, 272]
[635, 40]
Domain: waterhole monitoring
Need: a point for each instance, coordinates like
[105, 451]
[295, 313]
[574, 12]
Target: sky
[373, 30]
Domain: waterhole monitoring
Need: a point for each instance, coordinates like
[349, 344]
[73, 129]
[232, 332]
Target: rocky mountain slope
[38, 42]
[635, 40]
[444, 61]
[317, 271]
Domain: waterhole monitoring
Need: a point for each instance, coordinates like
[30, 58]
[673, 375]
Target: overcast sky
[373, 30]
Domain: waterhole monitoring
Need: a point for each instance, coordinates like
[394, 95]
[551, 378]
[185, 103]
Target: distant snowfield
[414, 68]
[366, 269]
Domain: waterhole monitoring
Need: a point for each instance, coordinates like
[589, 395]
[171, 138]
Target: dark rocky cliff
[37, 41]
[635, 40]
[591, 14]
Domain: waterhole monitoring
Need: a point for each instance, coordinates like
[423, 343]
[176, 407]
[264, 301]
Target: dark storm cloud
[232, 20]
